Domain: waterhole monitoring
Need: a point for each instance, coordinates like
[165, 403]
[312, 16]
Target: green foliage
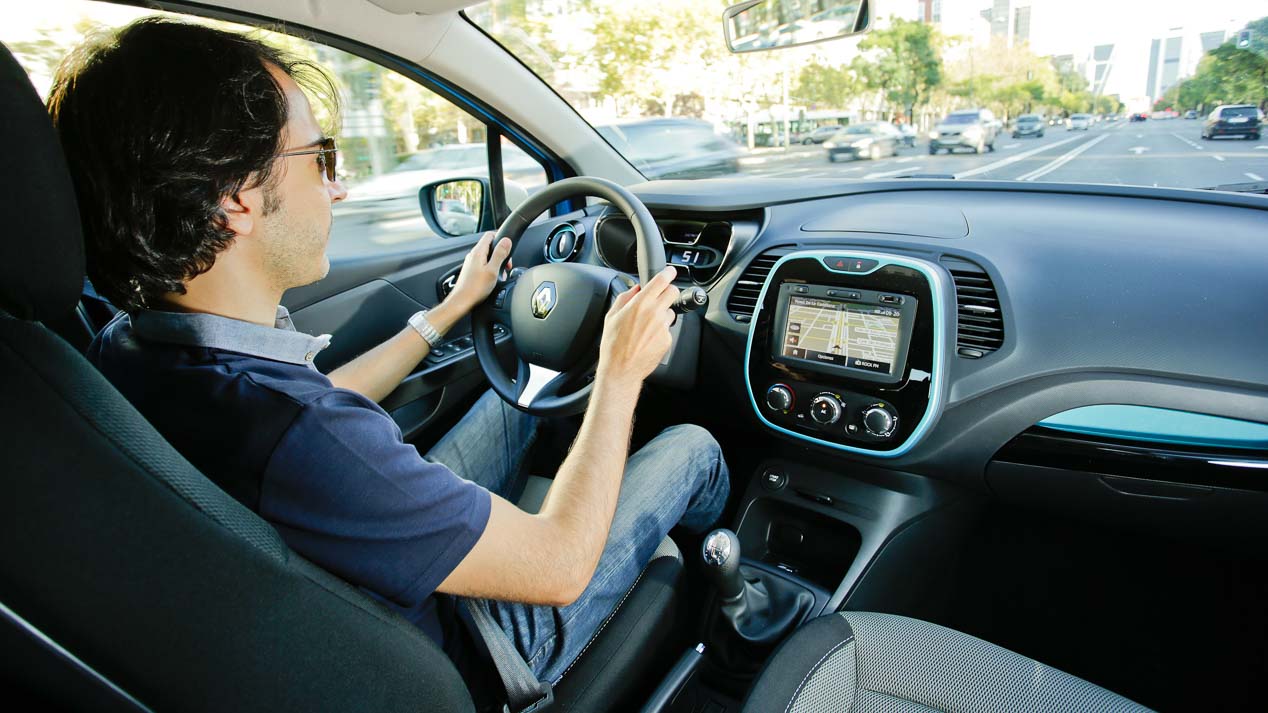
[1226, 75]
[904, 61]
[823, 85]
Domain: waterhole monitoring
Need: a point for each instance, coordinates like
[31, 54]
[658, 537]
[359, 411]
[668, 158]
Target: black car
[872, 140]
[1140, 116]
[674, 148]
[1236, 120]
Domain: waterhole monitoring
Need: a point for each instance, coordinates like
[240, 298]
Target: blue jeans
[678, 478]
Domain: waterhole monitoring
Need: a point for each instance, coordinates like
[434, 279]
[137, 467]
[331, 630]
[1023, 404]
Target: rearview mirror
[759, 25]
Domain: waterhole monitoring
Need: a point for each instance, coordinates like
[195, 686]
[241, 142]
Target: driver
[205, 185]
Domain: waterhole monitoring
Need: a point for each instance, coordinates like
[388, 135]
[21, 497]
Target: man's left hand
[479, 273]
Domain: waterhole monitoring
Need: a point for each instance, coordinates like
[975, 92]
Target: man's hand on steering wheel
[479, 273]
[636, 330]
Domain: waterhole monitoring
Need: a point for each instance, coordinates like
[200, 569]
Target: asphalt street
[1150, 153]
[1167, 153]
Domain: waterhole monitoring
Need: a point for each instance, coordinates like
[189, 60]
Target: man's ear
[241, 209]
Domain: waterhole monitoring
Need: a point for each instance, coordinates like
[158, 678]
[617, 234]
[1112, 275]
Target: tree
[826, 86]
[904, 61]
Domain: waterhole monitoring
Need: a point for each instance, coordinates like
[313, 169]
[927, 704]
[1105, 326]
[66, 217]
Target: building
[1010, 23]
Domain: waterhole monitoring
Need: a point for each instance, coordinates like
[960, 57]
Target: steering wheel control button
[825, 409]
[845, 263]
[774, 480]
[780, 398]
[879, 421]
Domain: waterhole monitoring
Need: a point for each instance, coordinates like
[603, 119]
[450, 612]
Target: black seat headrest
[41, 240]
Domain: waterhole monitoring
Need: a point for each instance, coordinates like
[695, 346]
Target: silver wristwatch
[423, 327]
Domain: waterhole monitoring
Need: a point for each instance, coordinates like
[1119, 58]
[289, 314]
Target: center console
[847, 349]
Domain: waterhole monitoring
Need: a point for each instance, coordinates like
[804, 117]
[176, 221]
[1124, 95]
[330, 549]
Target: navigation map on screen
[842, 333]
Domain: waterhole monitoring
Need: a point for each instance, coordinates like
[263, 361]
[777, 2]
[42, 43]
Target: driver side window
[394, 134]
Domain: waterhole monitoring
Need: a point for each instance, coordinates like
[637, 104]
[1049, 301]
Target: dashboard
[925, 324]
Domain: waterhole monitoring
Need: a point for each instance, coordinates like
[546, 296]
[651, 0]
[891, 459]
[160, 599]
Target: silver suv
[970, 129]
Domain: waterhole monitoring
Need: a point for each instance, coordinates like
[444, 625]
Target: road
[1151, 153]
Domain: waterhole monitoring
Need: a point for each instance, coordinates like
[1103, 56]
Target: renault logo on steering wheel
[544, 300]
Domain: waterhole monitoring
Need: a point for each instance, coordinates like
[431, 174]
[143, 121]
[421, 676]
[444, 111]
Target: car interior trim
[1160, 425]
[61, 652]
[933, 277]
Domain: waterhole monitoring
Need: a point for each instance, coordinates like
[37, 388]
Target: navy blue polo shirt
[325, 466]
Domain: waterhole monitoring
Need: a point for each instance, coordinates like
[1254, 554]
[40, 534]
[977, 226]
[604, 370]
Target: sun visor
[423, 7]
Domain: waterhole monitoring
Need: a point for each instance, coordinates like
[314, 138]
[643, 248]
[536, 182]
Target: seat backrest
[127, 579]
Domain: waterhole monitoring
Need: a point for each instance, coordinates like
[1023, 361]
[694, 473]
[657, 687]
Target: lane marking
[1190, 142]
[1014, 159]
[1218, 158]
[1138, 150]
[1010, 146]
[906, 159]
[1254, 176]
[883, 174]
[1061, 160]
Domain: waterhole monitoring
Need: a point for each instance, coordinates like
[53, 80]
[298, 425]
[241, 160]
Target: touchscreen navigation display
[857, 336]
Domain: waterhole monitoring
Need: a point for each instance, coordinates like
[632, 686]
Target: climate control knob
[825, 409]
[879, 421]
[779, 398]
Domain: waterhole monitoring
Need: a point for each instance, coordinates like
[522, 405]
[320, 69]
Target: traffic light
[1243, 40]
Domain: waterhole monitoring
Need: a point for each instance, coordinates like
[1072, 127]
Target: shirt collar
[281, 342]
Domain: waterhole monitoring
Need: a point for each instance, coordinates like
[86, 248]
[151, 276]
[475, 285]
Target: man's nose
[337, 191]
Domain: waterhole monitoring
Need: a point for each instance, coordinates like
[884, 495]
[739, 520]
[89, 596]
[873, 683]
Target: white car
[1080, 122]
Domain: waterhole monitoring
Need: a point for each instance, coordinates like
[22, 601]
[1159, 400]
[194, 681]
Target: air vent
[743, 300]
[979, 320]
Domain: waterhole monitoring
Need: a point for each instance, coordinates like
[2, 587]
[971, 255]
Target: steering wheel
[555, 311]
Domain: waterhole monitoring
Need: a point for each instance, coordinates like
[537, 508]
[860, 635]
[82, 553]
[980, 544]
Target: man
[206, 188]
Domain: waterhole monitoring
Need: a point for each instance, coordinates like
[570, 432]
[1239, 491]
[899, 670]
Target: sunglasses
[326, 152]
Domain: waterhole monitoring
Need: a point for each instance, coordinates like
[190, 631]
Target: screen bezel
[906, 321]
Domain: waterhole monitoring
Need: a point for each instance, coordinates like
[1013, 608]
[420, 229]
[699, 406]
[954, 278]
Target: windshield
[926, 63]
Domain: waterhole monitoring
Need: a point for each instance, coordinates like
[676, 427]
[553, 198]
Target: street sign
[1243, 40]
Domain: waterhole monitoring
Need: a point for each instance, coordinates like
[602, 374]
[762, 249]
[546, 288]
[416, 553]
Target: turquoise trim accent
[1160, 425]
[936, 288]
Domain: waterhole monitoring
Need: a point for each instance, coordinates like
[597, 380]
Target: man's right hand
[636, 330]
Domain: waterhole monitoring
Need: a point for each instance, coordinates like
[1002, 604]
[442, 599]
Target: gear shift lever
[759, 607]
[722, 563]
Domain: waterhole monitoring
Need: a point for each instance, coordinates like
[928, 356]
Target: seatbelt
[524, 693]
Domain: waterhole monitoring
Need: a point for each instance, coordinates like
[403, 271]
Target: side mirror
[462, 206]
[758, 25]
[455, 206]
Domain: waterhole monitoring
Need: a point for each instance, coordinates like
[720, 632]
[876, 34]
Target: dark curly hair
[160, 122]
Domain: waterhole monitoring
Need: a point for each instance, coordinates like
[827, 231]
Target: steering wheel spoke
[536, 382]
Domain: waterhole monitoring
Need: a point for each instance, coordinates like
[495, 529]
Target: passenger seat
[861, 661]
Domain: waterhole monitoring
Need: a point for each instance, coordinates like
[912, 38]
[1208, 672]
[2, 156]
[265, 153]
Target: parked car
[1029, 125]
[1242, 120]
[971, 129]
[674, 148]
[872, 140]
[821, 134]
[1079, 122]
